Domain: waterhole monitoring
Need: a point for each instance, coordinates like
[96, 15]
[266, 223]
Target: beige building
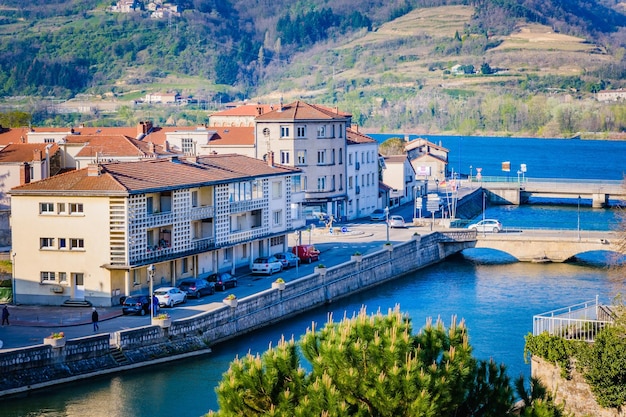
[430, 161]
[90, 234]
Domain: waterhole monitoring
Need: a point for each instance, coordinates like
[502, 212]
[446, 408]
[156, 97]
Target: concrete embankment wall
[40, 366]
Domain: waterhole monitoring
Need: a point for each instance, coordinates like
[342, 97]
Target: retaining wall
[21, 368]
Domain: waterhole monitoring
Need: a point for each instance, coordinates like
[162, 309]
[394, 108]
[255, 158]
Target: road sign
[432, 204]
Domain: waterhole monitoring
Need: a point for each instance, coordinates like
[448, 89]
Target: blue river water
[496, 298]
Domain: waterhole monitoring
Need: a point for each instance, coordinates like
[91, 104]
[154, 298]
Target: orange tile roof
[246, 110]
[14, 135]
[228, 136]
[159, 174]
[24, 152]
[355, 137]
[118, 146]
[299, 110]
[395, 159]
[157, 134]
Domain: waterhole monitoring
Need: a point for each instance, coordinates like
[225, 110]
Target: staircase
[118, 356]
[76, 303]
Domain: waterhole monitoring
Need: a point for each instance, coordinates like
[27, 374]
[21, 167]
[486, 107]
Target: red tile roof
[228, 136]
[15, 135]
[299, 110]
[146, 175]
[25, 152]
[111, 146]
[355, 137]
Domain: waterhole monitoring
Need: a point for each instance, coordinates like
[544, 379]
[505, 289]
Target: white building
[91, 234]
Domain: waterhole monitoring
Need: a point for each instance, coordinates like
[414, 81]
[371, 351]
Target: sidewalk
[58, 316]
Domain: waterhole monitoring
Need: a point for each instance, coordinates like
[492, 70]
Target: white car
[487, 225]
[170, 296]
[266, 265]
[396, 221]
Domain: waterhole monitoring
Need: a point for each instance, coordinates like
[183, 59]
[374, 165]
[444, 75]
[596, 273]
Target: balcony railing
[159, 219]
[202, 212]
[238, 237]
[205, 243]
[579, 322]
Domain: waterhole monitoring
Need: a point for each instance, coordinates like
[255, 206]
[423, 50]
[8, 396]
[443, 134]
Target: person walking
[5, 315]
[94, 319]
[155, 305]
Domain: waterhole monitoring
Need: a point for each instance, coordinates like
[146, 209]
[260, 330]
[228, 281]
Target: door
[79, 286]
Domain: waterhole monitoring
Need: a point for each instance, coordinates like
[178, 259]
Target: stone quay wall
[40, 366]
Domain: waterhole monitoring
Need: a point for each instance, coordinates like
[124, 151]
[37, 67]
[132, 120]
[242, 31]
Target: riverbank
[42, 366]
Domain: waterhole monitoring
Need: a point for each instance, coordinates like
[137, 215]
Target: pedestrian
[155, 305]
[94, 319]
[5, 315]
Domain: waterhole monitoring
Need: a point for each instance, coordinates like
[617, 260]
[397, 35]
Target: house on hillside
[611, 95]
[89, 235]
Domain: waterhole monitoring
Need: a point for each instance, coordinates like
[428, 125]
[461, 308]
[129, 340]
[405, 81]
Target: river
[497, 299]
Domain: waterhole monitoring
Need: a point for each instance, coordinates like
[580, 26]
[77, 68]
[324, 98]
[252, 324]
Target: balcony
[159, 219]
[203, 244]
[202, 212]
[245, 236]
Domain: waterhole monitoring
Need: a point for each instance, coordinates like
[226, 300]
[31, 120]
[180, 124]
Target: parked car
[487, 225]
[306, 253]
[378, 215]
[288, 259]
[136, 304]
[170, 296]
[196, 287]
[396, 221]
[266, 265]
[224, 280]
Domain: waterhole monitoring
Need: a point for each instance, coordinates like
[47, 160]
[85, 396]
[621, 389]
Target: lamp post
[484, 207]
[151, 279]
[415, 201]
[14, 296]
[470, 178]
[437, 183]
[387, 222]
[578, 218]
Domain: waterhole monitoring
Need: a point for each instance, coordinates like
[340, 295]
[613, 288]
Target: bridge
[511, 191]
[548, 245]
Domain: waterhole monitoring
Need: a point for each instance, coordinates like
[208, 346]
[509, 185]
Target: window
[284, 131]
[48, 140]
[332, 157]
[340, 130]
[228, 254]
[78, 278]
[257, 189]
[185, 265]
[321, 157]
[340, 156]
[76, 208]
[362, 157]
[341, 181]
[284, 157]
[136, 277]
[62, 277]
[350, 183]
[301, 155]
[194, 199]
[332, 185]
[62, 243]
[187, 146]
[46, 208]
[61, 208]
[46, 243]
[277, 240]
[321, 131]
[301, 131]
[47, 276]
[321, 183]
[277, 189]
[77, 244]
[278, 217]
[296, 183]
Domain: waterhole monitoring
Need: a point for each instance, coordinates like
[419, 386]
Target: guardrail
[577, 322]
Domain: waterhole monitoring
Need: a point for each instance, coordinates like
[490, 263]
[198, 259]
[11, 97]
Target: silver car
[396, 221]
[170, 296]
[487, 225]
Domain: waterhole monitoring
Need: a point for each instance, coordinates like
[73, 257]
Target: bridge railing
[578, 322]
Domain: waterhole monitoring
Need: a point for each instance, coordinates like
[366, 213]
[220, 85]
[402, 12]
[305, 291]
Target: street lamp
[151, 279]
[387, 222]
[14, 296]
[437, 183]
[415, 201]
[579, 218]
[470, 178]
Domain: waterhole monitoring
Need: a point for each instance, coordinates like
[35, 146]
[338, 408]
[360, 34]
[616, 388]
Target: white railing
[579, 322]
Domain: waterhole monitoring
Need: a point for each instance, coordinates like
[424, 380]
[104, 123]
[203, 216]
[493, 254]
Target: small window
[284, 157]
[301, 157]
[194, 199]
[46, 243]
[321, 131]
[278, 217]
[321, 183]
[321, 157]
[301, 131]
[47, 276]
[62, 277]
[46, 208]
[296, 183]
[185, 265]
[76, 208]
[61, 208]
[277, 189]
[187, 146]
[284, 131]
[62, 243]
[136, 277]
[76, 244]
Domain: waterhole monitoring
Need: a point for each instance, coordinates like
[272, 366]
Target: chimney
[270, 158]
[150, 147]
[259, 111]
[24, 173]
[93, 170]
[355, 127]
[280, 104]
[37, 155]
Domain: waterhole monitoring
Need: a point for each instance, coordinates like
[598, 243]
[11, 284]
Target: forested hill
[64, 47]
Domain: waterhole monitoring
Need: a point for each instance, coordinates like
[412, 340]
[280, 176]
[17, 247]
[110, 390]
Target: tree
[368, 365]
[392, 146]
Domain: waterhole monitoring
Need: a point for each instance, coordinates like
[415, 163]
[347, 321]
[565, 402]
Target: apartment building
[92, 233]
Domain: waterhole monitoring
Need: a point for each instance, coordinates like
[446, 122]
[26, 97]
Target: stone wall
[575, 393]
[21, 368]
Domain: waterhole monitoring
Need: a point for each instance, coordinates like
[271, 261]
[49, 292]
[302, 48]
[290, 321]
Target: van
[306, 253]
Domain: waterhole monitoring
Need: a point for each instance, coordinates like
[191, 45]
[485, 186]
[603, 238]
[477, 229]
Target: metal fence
[578, 322]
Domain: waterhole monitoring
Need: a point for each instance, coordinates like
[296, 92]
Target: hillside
[392, 64]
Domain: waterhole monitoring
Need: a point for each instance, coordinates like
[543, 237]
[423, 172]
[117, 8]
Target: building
[430, 161]
[95, 231]
[362, 173]
[612, 95]
[399, 175]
